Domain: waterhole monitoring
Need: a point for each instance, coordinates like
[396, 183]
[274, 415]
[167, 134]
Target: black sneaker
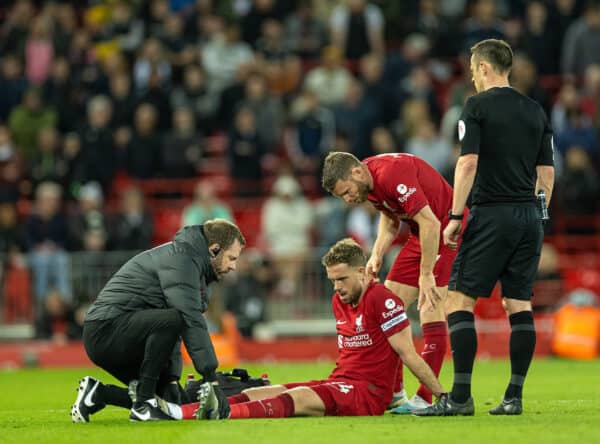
[513, 406]
[445, 406]
[84, 404]
[148, 411]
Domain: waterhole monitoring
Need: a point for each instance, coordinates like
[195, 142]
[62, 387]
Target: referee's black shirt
[511, 135]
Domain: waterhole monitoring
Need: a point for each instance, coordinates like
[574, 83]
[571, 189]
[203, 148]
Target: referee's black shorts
[501, 242]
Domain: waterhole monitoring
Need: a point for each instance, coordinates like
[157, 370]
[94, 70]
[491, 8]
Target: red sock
[281, 406]
[188, 411]
[399, 382]
[237, 399]
[435, 335]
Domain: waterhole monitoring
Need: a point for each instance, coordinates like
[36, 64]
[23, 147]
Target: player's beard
[217, 266]
[362, 189]
[352, 296]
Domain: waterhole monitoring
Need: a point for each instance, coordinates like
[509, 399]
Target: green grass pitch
[562, 405]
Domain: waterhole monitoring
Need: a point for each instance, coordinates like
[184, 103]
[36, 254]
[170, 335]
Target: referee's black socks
[113, 395]
[522, 345]
[463, 340]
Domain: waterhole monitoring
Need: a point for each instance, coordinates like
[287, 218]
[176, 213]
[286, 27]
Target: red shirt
[403, 184]
[364, 351]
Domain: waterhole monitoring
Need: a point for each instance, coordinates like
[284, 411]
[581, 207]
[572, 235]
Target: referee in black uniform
[506, 159]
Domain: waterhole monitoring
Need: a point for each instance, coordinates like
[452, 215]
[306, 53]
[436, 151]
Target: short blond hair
[345, 251]
[338, 166]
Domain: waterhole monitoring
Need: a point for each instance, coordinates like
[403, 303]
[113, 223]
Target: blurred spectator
[97, 159]
[581, 46]
[48, 163]
[484, 23]
[578, 188]
[156, 95]
[330, 222]
[57, 320]
[430, 22]
[267, 109]
[524, 79]
[567, 101]
[125, 28]
[39, 51]
[181, 151]
[13, 84]
[363, 222]
[133, 227]
[246, 293]
[260, 11]
[377, 87]
[382, 141]
[418, 85]
[427, 144]
[12, 240]
[313, 133]
[246, 151]
[449, 123]
[123, 101]
[194, 94]
[539, 39]
[357, 27]
[46, 238]
[11, 168]
[330, 80]
[16, 28]
[280, 66]
[578, 132]
[590, 100]
[223, 55]
[305, 34]
[414, 111]
[205, 206]
[287, 219]
[152, 59]
[88, 225]
[27, 119]
[61, 90]
[65, 27]
[357, 115]
[144, 149]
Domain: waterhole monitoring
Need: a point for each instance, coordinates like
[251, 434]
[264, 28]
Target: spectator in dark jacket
[133, 329]
[132, 228]
[46, 240]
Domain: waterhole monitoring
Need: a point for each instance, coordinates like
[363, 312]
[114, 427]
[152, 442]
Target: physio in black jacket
[134, 328]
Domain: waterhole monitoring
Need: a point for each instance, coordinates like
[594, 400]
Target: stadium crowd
[99, 97]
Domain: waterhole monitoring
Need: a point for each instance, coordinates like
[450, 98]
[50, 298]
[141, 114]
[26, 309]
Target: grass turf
[562, 404]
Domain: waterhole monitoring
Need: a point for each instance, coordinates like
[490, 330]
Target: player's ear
[357, 173]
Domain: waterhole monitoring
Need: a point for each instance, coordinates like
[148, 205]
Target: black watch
[455, 216]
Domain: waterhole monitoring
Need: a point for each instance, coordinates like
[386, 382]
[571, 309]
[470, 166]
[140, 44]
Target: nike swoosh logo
[340, 322]
[438, 257]
[426, 352]
[88, 398]
[142, 417]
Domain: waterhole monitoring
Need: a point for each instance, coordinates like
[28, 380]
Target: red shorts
[347, 398]
[407, 266]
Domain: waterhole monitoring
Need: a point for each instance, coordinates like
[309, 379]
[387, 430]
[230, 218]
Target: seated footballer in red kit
[373, 334]
[405, 190]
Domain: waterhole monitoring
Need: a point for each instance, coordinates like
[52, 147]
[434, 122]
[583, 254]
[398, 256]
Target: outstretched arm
[402, 343]
[386, 233]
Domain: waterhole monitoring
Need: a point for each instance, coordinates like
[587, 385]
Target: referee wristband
[454, 216]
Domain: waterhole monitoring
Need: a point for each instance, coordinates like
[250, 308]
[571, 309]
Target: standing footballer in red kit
[373, 334]
[406, 189]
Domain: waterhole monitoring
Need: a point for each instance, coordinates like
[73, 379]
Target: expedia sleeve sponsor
[393, 322]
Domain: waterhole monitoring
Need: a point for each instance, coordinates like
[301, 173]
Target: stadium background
[121, 121]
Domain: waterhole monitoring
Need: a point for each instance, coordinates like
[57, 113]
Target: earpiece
[215, 251]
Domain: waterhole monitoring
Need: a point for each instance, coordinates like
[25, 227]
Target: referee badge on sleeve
[462, 129]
